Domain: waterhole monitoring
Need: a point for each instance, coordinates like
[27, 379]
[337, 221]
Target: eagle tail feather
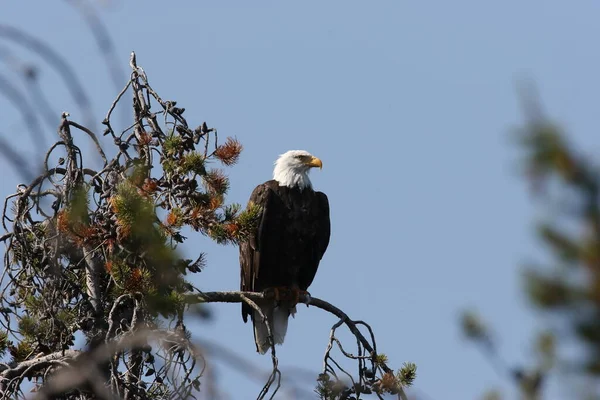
[278, 320]
[280, 324]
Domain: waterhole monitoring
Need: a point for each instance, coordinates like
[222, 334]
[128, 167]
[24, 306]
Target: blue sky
[408, 104]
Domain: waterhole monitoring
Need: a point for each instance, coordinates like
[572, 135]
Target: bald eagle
[284, 251]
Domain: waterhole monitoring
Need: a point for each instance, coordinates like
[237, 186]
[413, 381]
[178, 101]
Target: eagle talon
[296, 297]
[277, 293]
[306, 296]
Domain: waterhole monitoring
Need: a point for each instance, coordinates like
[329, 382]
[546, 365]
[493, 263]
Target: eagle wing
[324, 231]
[255, 245]
[321, 240]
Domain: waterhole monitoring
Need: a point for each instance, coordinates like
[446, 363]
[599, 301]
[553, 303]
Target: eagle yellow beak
[315, 162]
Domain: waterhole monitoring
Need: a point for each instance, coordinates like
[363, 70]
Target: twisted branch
[369, 346]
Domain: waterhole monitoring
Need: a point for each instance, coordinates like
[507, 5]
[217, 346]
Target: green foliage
[565, 248]
[22, 351]
[407, 374]
[473, 327]
[169, 166]
[328, 388]
[176, 218]
[193, 162]
[381, 359]
[492, 395]
[79, 206]
[247, 221]
[215, 182]
[545, 346]
[230, 212]
[250, 215]
[28, 327]
[135, 213]
[172, 145]
[548, 292]
[3, 343]
[219, 234]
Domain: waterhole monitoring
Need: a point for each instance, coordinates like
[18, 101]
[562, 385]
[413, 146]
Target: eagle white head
[292, 167]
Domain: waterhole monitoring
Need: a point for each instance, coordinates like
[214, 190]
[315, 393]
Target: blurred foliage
[566, 288]
[567, 183]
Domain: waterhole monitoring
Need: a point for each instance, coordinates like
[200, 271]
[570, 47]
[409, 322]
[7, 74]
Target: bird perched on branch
[282, 255]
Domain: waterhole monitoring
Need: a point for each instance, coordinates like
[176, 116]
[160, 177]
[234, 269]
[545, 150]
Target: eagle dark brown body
[288, 244]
